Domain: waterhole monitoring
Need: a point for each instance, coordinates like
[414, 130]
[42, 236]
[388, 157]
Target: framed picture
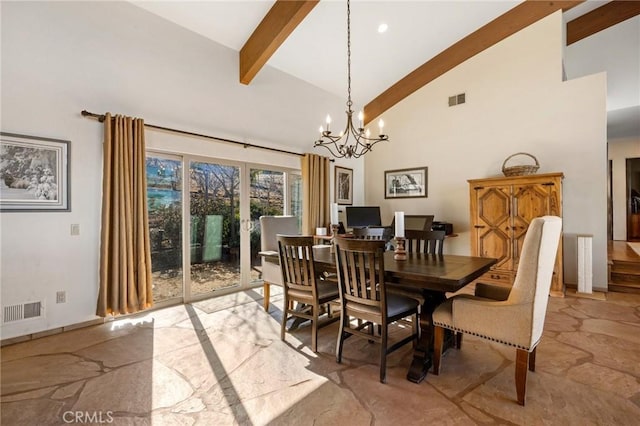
[34, 173]
[344, 185]
[405, 183]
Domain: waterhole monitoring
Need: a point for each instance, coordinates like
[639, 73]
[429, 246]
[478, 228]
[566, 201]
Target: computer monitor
[360, 217]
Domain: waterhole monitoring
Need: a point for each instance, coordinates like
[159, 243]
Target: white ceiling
[418, 30]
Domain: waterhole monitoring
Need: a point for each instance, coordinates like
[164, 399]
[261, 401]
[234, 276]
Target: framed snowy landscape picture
[34, 173]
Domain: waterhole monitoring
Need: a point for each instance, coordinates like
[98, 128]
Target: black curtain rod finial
[86, 113]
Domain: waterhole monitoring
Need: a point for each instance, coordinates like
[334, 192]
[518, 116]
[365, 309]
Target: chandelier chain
[349, 102]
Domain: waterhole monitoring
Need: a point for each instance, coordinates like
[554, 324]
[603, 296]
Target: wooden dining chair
[363, 297]
[302, 285]
[428, 242]
[516, 317]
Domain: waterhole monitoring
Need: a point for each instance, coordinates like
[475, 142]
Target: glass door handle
[247, 225]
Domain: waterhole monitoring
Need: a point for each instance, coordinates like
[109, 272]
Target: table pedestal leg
[422, 355]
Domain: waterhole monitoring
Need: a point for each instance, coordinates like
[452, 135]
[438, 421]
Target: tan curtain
[315, 184]
[125, 254]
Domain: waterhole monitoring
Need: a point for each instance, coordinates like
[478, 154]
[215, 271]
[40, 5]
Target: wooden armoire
[501, 210]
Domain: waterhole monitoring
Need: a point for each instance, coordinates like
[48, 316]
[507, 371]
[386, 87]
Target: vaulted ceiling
[313, 48]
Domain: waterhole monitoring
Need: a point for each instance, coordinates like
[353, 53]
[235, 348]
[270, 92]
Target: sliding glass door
[214, 211]
[266, 198]
[164, 200]
[204, 222]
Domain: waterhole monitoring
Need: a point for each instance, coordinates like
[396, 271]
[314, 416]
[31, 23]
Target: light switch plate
[75, 229]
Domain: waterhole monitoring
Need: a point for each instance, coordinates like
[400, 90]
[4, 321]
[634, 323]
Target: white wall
[619, 151]
[516, 101]
[614, 49]
[60, 58]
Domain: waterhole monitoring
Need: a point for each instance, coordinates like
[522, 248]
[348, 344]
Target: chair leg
[383, 354]
[438, 342]
[415, 329]
[283, 325]
[371, 332]
[267, 294]
[532, 360]
[522, 359]
[340, 341]
[314, 329]
[458, 340]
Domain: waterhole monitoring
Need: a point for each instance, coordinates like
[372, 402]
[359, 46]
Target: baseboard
[51, 332]
[595, 295]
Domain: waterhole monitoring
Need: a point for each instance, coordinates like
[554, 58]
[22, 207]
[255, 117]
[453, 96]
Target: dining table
[432, 276]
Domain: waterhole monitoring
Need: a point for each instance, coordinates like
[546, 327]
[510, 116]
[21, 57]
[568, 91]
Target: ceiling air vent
[457, 99]
[21, 311]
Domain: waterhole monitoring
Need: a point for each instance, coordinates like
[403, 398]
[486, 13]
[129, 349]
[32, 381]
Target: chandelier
[352, 142]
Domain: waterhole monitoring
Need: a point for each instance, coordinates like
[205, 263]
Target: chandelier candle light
[361, 141]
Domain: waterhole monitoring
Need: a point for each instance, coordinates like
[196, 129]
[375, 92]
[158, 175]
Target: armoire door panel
[529, 202]
[497, 244]
[494, 206]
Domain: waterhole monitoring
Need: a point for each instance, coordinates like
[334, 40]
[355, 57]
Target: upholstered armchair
[270, 227]
[516, 318]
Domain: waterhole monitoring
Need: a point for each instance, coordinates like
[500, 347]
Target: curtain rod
[100, 118]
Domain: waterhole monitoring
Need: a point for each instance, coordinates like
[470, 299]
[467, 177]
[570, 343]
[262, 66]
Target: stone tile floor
[221, 362]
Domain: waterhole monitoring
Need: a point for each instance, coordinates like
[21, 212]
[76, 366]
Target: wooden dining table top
[444, 273]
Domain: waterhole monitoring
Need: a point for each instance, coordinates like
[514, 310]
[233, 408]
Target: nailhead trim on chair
[483, 336]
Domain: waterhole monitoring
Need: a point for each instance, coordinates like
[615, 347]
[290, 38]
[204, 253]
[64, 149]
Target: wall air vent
[457, 99]
[21, 311]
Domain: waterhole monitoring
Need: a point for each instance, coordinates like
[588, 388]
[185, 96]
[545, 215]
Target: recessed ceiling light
[382, 28]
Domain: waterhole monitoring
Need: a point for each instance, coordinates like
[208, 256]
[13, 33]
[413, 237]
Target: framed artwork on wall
[344, 185]
[406, 183]
[34, 173]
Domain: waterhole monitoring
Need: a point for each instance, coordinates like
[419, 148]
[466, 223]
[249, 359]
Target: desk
[433, 275]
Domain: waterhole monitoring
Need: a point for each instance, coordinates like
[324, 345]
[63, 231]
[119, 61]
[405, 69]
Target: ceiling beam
[283, 17]
[507, 24]
[600, 19]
